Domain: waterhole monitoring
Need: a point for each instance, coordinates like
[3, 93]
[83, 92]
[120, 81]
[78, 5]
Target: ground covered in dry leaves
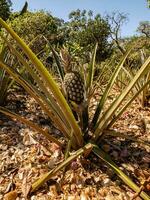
[25, 155]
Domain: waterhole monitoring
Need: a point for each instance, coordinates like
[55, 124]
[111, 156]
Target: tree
[144, 28]
[38, 29]
[32, 26]
[116, 20]
[86, 30]
[5, 9]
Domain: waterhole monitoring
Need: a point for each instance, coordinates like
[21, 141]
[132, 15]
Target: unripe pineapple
[73, 82]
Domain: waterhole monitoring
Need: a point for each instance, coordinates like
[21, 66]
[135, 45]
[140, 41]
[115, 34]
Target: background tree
[85, 30]
[5, 9]
[38, 29]
[144, 28]
[116, 21]
[32, 26]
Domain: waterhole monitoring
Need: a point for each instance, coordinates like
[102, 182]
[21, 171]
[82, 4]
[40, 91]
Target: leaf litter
[25, 155]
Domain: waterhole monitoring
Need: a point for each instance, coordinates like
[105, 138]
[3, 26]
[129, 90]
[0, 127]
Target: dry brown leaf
[11, 195]
[26, 186]
[106, 147]
[28, 138]
[84, 196]
[53, 191]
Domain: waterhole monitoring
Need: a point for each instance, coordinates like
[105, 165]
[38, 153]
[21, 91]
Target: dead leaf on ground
[11, 195]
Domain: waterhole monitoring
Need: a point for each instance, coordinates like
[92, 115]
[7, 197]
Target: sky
[137, 10]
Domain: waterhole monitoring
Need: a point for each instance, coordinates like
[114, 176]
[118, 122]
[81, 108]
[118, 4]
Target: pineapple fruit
[73, 82]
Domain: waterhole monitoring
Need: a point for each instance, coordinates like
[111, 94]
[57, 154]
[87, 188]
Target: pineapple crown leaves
[66, 59]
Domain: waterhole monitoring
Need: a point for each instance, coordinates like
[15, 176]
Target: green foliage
[85, 30]
[138, 57]
[38, 29]
[5, 9]
[30, 25]
[5, 80]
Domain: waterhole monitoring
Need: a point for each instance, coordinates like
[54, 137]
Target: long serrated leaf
[106, 67]
[50, 83]
[131, 75]
[4, 78]
[29, 123]
[107, 89]
[104, 120]
[106, 158]
[34, 94]
[91, 70]
[48, 100]
[127, 104]
[122, 135]
[66, 162]
[58, 63]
